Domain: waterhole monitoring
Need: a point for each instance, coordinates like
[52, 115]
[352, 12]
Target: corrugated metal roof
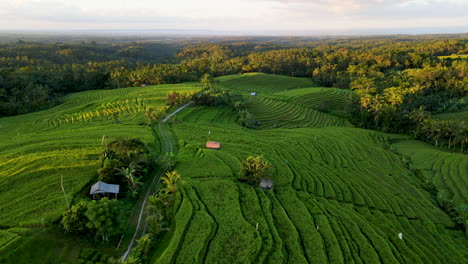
[266, 183]
[102, 187]
[213, 145]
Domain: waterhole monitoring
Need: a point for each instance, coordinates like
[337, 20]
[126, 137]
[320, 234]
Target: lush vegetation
[342, 193]
[69, 140]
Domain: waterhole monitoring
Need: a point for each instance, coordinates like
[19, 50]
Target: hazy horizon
[243, 17]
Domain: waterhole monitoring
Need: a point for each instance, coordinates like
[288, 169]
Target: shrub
[74, 220]
[108, 171]
[104, 217]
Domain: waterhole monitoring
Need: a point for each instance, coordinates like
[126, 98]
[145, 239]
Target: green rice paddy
[341, 194]
[37, 149]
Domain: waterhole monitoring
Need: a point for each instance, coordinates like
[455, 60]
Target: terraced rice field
[277, 113]
[262, 83]
[38, 148]
[339, 197]
[316, 97]
[448, 171]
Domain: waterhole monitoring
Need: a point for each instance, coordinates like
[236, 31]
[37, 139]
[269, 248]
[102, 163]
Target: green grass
[38, 148]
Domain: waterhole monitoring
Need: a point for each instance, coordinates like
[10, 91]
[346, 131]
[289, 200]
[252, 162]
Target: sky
[282, 17]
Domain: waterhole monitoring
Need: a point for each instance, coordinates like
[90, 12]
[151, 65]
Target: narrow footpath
[166, 147]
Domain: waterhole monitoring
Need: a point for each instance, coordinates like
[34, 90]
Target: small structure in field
[253, 93]
[143, 85]
[101, 189]
[266, 184]
[213, 145]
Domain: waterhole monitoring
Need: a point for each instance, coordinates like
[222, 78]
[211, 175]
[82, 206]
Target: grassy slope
[340, 196]
[38, 148]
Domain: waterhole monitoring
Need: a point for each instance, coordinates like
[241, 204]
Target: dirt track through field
[167, 147]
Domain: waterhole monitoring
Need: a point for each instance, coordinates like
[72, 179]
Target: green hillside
[38, 148]
[341, 194]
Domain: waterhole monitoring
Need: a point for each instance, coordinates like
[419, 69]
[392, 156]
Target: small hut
[213, 145]
[101, 189]
[266, 184]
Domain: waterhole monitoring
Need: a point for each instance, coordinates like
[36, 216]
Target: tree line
[391, 77]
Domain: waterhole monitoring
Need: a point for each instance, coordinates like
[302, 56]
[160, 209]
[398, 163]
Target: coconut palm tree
[170, 181]
[133, 181]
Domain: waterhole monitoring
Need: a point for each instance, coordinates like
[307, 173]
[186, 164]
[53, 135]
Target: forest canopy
[393, 77]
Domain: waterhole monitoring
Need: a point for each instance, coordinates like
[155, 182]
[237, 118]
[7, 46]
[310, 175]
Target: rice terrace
[335, 151]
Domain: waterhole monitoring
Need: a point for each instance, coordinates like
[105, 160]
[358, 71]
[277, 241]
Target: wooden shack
[213, 145]
[101, 189]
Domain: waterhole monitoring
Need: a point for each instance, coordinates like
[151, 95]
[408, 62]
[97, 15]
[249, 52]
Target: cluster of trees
[102, 219]
[442, 133]
[253, 169]
[174, 98]
[125, 162]
[402, 101]
[35, 76]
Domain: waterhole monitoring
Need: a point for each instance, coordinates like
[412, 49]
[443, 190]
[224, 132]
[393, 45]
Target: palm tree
[158, 210]
[144, 245]
[133, 181]
[170, 181]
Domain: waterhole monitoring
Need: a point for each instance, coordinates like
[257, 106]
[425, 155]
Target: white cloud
[240, 15]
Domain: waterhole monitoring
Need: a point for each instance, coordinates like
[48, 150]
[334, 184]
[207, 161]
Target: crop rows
[335, 99]
[339, 197]
[447, 171]
[274, 113]
[39, 148]
[262, 83]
